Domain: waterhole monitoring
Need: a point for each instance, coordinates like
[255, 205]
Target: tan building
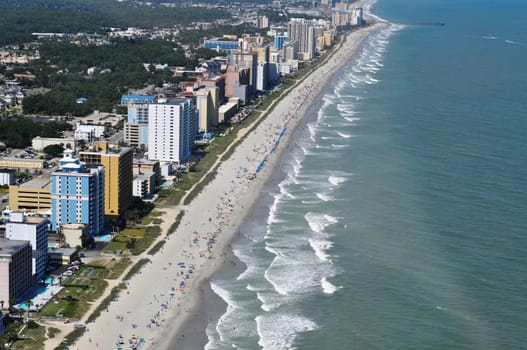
[73, 234]
[34, 195]
[207, 106]
[118, 178]
[328, 38]
[262, 53]
[22, 163]
[131, 134]
[216, 82]
[39, 143]
[227, 111]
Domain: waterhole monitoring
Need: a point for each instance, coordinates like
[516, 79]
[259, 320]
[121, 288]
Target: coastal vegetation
[21, 18]
[100, 73]
[18, 132]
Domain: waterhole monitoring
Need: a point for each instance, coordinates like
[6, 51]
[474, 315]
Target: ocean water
[399, 220]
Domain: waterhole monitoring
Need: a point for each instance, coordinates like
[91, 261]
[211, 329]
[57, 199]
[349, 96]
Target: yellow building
[22, 163]
[207, 106]
[262, 53]
[118, 177]
[34, 195]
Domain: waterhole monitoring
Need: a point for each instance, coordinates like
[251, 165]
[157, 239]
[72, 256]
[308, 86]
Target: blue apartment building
[77, 194]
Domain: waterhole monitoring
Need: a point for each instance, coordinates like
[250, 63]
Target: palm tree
[28, 303]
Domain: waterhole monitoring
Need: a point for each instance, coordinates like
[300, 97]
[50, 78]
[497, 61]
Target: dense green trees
[20, 18]
[118, 67]
[17, 133]
[54, 150]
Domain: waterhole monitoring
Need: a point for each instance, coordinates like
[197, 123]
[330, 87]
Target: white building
[35, 230]
[172, 129]
[262, 73]
[7, 176]
[39, 143]
[356, 17]
[88, 132]
[144, 185]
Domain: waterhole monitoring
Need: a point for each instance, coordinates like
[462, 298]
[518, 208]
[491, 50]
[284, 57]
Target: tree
[54, 150]
[28, 303]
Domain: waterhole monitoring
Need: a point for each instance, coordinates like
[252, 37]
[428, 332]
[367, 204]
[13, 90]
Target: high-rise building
[218, 82]
[356, 17]
[207, 106]
[15, 270]
[173, 125]
[118, 174]
[278, 42]
[262, 81]
[262, 22]
[136, 126]
[247, 60]
[77, 194]
[290, 51]
[237, 82]
[303, 32]
[35, 230]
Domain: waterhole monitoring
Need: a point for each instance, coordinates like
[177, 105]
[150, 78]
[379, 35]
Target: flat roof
[63, 251]
[9, 247]
[37, 182]
[31, 220]
[74, 226]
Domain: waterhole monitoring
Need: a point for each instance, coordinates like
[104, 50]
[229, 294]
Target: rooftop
[9, 247]
[38, 182]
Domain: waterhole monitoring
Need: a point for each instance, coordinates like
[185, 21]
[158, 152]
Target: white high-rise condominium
[172, 128]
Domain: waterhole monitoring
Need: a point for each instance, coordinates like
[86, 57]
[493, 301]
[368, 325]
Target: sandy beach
[165, 294]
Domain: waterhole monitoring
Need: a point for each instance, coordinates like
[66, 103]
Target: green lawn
[85, 286]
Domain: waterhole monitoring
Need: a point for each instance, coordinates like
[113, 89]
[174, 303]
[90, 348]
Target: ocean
[398, 220]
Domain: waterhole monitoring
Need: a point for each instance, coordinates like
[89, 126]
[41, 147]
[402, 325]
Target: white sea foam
[312, 131]
[324, 197]
[320, 247]
[339, 146]
[228, 299]
[345, 107]
[272, 250]
[489, 37]
[328, 287]
[249, 269]
[278, 331]
[512, 42]
[336, 180]
[305, 150]
[341, 134]
[279, 289]
[318, 222]
[351, 119]
[271, 219]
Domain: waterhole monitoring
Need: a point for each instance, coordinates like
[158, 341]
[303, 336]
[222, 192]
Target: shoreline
[210, 224]
[206, 312]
